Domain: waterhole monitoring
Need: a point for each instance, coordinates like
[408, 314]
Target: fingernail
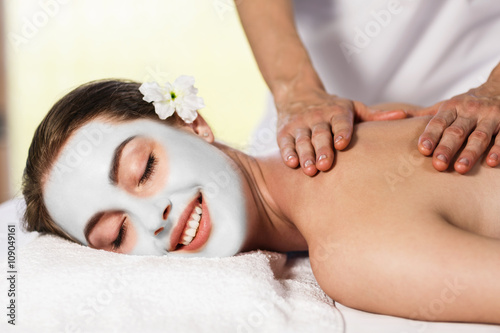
[308, 163]
[289, 157]
[321, 157]
[494, 156]
[464, 161]
[338, 139]
[427, 144]
[441, 157]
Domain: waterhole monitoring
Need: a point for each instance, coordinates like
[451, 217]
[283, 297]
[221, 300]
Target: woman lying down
[386, 232]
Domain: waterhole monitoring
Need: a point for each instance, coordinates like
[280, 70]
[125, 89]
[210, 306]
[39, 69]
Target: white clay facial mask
[142, 187]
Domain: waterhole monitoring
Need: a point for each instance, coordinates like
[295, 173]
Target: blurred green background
[52, 46]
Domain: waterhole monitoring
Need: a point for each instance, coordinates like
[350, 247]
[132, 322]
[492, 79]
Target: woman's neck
[269, 228]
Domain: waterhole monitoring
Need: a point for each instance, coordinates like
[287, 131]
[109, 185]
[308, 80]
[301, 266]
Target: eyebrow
[115, 164]
[91, 224]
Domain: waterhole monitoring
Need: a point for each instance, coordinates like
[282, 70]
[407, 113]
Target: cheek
[145, 243]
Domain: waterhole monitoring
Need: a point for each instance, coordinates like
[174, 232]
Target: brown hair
[118, 100]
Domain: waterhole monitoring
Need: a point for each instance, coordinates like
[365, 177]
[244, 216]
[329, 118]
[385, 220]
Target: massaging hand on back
[312, 122]
[475, 116]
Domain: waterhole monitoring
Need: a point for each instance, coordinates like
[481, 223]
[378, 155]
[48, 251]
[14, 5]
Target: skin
[312, 123]
[383, 225]
[472, 117]
[386, 232]
[130, 187]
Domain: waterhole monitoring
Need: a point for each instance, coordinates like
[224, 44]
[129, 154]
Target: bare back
[383, 175]
[388, 233]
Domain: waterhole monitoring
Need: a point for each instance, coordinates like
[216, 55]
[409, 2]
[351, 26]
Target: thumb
[362, 112]
[430, 110]
[387, 115]
[365, 113]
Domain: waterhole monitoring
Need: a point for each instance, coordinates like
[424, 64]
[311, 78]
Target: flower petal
[184, 82]
[167, 89]
[164, 109]
[178, 97]
[194, 102]
[187, 114]
[152, 92]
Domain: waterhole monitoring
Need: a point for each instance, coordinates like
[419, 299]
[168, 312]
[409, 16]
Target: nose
[166, 211]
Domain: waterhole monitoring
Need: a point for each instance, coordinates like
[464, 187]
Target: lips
[178, 236]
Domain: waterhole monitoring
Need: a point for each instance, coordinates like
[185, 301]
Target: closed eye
[121, 235]
[149, 170]
[142, 167]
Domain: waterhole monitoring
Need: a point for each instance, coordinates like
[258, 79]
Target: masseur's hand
[473, 116]
[308, 117]
[312, 124]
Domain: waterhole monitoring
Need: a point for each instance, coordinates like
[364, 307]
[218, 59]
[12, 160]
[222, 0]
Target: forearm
[311, 121]
[278, 50]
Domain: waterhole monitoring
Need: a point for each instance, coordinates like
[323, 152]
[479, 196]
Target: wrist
[490, 88]
[300, 84]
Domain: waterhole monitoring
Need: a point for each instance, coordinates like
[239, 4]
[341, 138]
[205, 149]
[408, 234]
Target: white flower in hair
[178, 97]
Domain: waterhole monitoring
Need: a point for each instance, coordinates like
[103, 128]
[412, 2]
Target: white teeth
[192, 226]
[187, 240]
[190, 232]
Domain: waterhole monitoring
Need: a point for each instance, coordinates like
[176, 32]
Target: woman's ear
[200, 127]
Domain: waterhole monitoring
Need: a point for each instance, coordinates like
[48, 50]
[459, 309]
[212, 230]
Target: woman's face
[141, 187]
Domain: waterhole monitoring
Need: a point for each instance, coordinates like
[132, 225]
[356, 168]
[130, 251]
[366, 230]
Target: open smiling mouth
[193, 228]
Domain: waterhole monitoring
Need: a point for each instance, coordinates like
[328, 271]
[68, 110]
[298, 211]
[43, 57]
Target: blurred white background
[53, 46]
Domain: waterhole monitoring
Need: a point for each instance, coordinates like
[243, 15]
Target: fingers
[323, 143]
[308, 137]
[342, 126]
[493, 158]
[305, 150]
[477, 143]
[434, 130]
[473, 113]
[286, 143]
[312, 150]
[453, 138]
